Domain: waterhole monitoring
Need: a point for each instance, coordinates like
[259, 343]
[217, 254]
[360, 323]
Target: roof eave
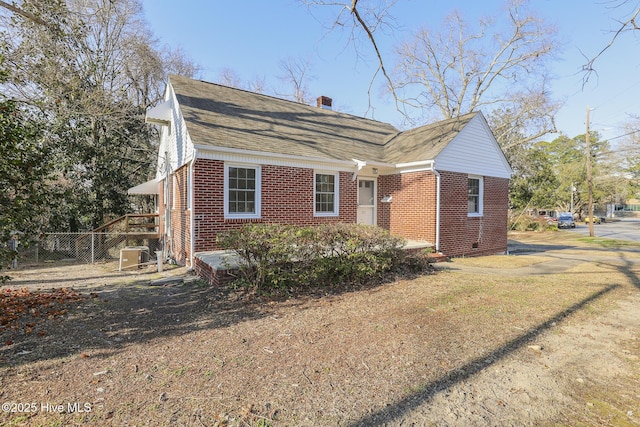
[265, 154]
[160, 114]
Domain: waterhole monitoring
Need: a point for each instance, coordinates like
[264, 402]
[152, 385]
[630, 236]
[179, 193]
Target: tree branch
[624, 26]
[24, 13]
[363, 24]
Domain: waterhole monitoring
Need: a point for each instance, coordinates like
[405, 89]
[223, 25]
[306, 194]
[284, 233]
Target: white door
[366, 201]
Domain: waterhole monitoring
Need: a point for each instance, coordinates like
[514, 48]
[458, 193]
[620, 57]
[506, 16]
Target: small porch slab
[415, 246]
[216, 267]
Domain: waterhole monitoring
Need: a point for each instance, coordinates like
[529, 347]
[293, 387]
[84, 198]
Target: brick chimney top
[324, 102]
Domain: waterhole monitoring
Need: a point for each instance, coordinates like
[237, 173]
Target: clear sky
[253, 36]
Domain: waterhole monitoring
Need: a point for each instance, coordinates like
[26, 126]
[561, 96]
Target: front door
[366, 201]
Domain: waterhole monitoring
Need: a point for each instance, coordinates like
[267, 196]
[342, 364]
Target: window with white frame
[326, 194]
[475, 196]
[242, 191]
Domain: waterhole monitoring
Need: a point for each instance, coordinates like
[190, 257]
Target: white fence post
[93, 247]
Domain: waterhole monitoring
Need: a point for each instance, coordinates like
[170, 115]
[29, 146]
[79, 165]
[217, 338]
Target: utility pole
[589, 178]
[573, 189]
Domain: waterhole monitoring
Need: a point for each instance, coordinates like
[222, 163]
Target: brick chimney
[324, 102]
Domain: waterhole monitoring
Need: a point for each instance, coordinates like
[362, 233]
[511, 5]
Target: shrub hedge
[281, 256]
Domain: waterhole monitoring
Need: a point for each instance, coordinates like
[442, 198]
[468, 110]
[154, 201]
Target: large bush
[277, 256]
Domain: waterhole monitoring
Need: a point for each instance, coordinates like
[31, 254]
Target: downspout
[438, 185]
[192, 205]
[168, 246]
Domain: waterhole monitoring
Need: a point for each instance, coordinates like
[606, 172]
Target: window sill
[235, 217]
[325, 214]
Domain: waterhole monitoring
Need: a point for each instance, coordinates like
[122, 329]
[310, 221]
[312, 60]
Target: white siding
[474, 151]
[174, 139]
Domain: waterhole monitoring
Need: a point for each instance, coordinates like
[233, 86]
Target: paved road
[623, 229]
[561, 257]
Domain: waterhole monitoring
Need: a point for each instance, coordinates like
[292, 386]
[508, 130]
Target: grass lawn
[475, 343]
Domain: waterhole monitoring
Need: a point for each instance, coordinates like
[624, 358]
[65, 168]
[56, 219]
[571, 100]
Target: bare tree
[296, 75]
[230, 77]
[257, 85]
[458, 70]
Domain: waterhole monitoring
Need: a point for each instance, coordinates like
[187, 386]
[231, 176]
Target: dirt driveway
[548, 335]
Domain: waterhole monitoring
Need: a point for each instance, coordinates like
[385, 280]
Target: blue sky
[253, 36]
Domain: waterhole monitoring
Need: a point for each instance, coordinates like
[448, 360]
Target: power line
[626, 134]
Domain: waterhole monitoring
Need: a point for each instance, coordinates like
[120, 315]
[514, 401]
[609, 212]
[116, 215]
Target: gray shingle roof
[424, 142]
[220, 116]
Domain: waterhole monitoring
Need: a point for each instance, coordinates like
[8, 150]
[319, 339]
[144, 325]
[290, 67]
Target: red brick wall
[459, 232]
[412, 211]
[287, 198]
[180, 217]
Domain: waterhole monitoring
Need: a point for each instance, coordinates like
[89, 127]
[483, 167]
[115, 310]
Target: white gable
[474, 151]
[175, 141]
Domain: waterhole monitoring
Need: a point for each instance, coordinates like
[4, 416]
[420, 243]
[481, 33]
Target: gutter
[421, 163]
[168, 244]
[438, 188]
[227, 150]
[419, 166]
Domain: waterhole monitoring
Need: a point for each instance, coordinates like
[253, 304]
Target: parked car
[549, 216]
[596, 220]
[565, 220]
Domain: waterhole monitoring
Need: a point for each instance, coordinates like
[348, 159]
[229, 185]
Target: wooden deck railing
[125, 228]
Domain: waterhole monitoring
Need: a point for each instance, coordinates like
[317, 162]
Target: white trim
[207, 150]
[191, 205]
[149, 187]
[419, 166]
[334, 166]
[359, 165]
[438, 201]
[428, 163]
[336, 194]
[480, 197]
[277, 159]
[428, 169]
[160, 114]
[258, 191]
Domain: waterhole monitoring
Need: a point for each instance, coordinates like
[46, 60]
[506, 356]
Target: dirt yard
[549, 335]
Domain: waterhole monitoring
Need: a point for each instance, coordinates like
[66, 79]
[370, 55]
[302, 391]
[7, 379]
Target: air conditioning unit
[132, 257]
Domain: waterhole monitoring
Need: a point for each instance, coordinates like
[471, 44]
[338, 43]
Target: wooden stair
[127, 227]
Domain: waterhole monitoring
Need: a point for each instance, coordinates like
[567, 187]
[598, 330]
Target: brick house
[229, 157]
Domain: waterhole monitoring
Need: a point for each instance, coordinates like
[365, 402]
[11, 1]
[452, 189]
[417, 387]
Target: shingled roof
[221, 116]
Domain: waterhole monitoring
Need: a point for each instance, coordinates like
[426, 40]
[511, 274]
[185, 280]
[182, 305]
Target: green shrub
[280, 256]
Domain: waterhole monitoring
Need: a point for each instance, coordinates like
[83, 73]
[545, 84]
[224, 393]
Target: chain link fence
[80, 247]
